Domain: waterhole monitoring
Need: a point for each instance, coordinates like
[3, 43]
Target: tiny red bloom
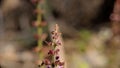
[52, 32]
[57, 62]
[34, 1]
[47, 62]
[51, 52]
[56, 51]
[58, 42]
[57, 57]
[36, 36]
[43, 23]
[61, 63]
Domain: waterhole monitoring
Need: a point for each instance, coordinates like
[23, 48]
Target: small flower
[43, 24]
[61, 63]
[57, 62]
[34, 1]
[36, 11]
[56, 51]
[52, 32]
[48, 66]
[115, 17]
[36, 36]
[57, 57]
[35, 24]
[58, 42]
[51, 52]
[47, 62]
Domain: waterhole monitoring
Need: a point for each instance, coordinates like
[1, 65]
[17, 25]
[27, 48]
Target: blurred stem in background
[115, 18]
[114, 45]
[39, 28]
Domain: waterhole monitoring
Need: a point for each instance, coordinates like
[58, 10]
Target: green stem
[39, 30]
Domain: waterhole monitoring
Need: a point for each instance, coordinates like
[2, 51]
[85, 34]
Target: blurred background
[91, 39]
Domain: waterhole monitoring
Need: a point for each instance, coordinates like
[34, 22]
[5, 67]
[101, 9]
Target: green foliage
[84, 39]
